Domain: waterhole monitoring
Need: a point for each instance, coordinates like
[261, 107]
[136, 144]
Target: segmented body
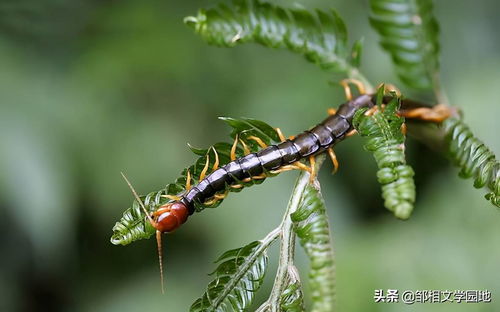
[311, 142]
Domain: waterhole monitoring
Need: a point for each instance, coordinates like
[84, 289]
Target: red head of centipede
[170, 216]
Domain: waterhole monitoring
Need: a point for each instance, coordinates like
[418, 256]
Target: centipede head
[166, 219]
[170, 216]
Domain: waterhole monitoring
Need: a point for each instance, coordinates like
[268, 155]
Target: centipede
[293, 153]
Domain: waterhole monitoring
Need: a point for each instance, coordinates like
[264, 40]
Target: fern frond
[386, 142]
[292, 299]
[134, 226]
[321, 37]
[239, 275]
[311, 226]
[474, 158]
[409, 32]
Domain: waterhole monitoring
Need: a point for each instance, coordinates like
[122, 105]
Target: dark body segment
[307, 143]
[270, 158]
[288, 152]
[251, 165]
[321, 137]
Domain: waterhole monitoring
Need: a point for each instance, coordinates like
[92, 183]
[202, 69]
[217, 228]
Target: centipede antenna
[160, 259]
[138, 199]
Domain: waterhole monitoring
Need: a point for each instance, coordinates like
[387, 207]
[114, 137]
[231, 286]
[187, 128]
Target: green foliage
[292, 298]
[311, 226]
[474, 158]
[409, 32]
[237, 278]
[134, 225]
[386, 142]
[321, 36]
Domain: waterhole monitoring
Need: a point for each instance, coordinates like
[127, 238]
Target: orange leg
[246, 150]
[283, 169]
[258, 140]
[172, 197]
[216, 163]
[216, 198]
[280, 134]
[345, 83]
[437, 113]
[312, 161]
[233, 148]
[301, 166]
[188, 181]
[404, 128]
[333, 157]
[331, 111]
[351, 133]
[205, 169]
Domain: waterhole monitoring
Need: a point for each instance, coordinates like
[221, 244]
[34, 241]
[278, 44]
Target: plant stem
[287, 247]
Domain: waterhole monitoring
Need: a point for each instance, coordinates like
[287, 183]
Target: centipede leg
[284, 169]
[345, 83]
[233, 148]
[261, 143]
[172, 197]
[351, 133]
[216, 163]
[404, 129]
[280, 134]
[438, 113]
[312, 176]
[205, 169]
[331, 111]
[216, 198]
[333, 157]
[188, 180]
[301, 166]
[246, 150]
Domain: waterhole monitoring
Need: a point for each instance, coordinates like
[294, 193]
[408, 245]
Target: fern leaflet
[321, 37]
[475, 158]
[409, 32]
[386, 142]
[311, 226]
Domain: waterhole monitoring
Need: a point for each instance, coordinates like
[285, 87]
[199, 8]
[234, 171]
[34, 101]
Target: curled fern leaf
[409, 32]
[134, 226]
[292, 299]
[386, 142]
[311, 226]
[475, 158]
[321, 37]
[237, 278]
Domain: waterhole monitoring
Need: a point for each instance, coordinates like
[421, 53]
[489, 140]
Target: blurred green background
[92, 88]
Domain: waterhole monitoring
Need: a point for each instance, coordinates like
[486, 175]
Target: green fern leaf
[237, 278]
[321, 37]
[292, 298]
[409, 32]
[311, 226]
[474, 158]
[134, 226]
[386, 142]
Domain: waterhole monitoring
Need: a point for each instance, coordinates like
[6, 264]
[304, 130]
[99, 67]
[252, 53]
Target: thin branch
[287, 248]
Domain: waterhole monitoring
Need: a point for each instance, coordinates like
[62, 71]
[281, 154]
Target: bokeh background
[92, 88]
